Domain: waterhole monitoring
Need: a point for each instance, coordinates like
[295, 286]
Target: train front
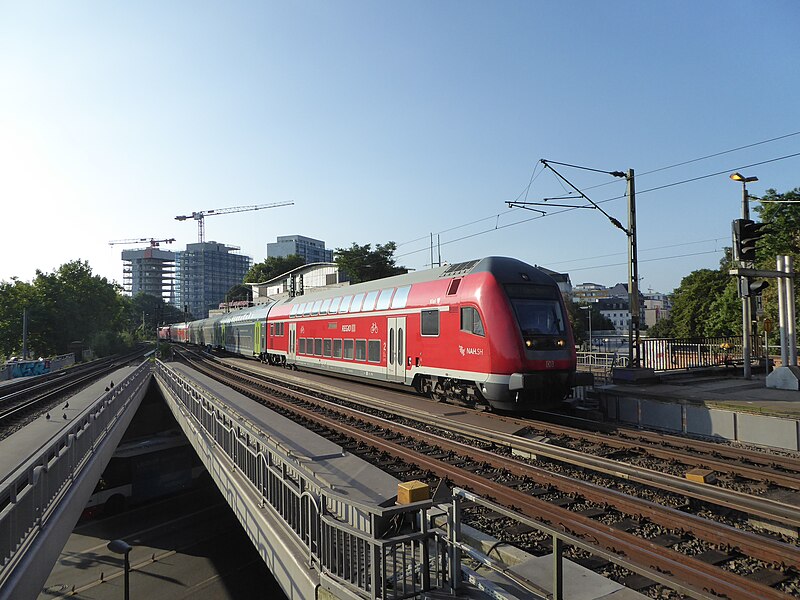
[533, 346]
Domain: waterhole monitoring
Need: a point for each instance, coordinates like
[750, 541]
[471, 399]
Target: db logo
[549, 364]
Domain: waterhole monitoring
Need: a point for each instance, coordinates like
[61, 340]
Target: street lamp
[746, 307]
[745, 203]
[123, 547]
[589, 314]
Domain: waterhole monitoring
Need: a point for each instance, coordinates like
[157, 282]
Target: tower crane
[153, 242]
[201, 215]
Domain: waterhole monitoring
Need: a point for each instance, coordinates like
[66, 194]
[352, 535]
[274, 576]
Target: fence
[29, 495]
[349, 542]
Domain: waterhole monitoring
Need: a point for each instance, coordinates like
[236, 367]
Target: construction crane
[200, 216]
[153, 242]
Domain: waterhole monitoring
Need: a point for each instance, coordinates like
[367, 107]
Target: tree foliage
[273, 266]
[707, 301]
[67, 305]
[362, 263]
[578, 319]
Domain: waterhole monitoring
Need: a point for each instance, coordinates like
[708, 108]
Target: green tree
[273, 266]
[781, 213]
[362, 263]
[239, 293]
[578, 319]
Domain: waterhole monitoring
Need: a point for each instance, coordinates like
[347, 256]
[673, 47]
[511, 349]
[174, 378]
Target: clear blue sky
[390, 121]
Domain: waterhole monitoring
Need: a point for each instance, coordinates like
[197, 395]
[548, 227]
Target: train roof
[505, 270]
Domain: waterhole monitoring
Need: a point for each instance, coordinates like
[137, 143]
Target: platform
[712, 405]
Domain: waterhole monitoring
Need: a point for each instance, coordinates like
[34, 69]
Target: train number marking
[349, 328]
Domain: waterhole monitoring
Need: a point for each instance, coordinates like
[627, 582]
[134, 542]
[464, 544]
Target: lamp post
[589, 315]
[746, 307]
[123, 547]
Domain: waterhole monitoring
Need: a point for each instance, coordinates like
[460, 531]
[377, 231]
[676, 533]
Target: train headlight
[560, 343]
[529, 343]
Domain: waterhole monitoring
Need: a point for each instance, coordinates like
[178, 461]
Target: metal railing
[30, 494]
[667, 354]
[376, 552]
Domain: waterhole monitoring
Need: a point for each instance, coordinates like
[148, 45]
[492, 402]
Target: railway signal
[745, 235]
[201, 215]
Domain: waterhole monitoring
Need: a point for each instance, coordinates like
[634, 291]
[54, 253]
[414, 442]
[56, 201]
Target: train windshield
[537, 308]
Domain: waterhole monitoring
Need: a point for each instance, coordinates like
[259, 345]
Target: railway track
[21, 403]
[692, 555]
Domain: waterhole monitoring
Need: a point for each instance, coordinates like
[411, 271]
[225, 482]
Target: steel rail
[663, 560]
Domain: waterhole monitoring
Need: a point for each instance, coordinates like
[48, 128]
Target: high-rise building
[311, 250]
[204, 273]
[150, 271]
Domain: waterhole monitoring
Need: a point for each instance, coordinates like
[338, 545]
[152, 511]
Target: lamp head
[739, 177]
[119, 546]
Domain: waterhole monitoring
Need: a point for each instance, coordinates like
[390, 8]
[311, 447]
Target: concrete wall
[692, 419]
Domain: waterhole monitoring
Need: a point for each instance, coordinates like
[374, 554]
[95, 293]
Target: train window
[384, 299]
[369, 301]
[307, 309]
[429, 322]
[293, 312]
[453, 286]
[318, 346]
[345, 306]
[301, 346]
[374, 351]
[400, 353]
[401, 297]
[272, 328]
[325, 306]
[356, 305]
[337, 348]
[348, 349]
[326, 347]
[279, 328]
[316, 307]
[361, 349]
[471, 320]
[334, 305]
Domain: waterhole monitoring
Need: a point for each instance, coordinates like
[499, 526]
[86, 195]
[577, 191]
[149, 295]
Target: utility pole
[747, 318]
[633, 276]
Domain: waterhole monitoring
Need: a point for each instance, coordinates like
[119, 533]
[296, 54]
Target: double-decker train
[493, 330]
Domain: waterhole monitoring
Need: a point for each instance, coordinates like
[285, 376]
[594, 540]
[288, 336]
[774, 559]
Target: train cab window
[334, 308]
[356, 305]
[369, 301]
[374, 348]
[361, 349]
[429, 322]
[384, 299]
[471, 321]
[348, 349]
[401, 297]
[327, 347]
[318, 346]
[316, 307]
[301, 346]
[453, 287]
[345, 305]
[337, 348]
[325, 306]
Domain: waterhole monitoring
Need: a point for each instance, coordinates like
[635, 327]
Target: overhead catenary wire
[563, 210]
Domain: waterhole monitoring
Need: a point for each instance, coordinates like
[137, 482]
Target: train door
[292, 350]
[396, 349]
[257, 338]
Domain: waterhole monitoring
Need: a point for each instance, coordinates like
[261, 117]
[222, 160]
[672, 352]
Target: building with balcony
[148, 271]
[311, 250]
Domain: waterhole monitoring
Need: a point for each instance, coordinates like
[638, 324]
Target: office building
[311, 250]
[204, 273]
[149, 271]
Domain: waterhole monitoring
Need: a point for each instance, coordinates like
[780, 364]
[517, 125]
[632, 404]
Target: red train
[491, 331]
